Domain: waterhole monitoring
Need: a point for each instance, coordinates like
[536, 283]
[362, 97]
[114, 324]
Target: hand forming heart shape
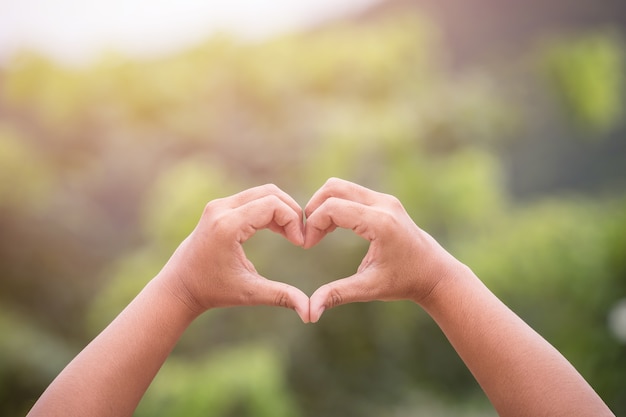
[210, 268]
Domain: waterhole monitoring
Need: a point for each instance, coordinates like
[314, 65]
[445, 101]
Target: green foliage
[587, 74]
[456, 194]
[558, 254]
[125, 279]
[243, 381]
[53, 91]
[171, 210]
[178, 197]
[130, 151]
[24, 179]
[30, 357]
[30, 351]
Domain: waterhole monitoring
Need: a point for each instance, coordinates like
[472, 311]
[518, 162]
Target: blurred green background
[505, 141]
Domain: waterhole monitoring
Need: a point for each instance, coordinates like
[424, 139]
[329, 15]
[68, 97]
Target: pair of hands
[210, 269]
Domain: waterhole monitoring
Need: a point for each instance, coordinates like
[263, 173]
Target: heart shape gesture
[520, 372]
[210, 269]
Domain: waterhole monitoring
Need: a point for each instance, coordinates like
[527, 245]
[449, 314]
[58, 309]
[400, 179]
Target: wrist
[179, 297]
[452, 274]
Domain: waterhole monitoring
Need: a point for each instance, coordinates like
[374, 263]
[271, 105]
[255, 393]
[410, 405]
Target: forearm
[109, 377]
[209, 269]
[521, 373]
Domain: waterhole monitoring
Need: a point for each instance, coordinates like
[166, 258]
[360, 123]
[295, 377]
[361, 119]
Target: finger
[356, 288]
[343, 189]
[269, 212]
[313, 235]
[335, 212]
[261, 191]
[272, 293]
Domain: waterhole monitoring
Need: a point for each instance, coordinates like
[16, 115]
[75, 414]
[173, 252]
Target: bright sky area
[76, 31]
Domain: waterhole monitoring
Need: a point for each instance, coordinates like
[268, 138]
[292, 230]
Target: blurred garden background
[499, 125]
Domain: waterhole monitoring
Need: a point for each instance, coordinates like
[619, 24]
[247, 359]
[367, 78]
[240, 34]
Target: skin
[521, 373]
[208, 270]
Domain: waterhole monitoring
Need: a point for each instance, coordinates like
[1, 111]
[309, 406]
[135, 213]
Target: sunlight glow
[73, 30]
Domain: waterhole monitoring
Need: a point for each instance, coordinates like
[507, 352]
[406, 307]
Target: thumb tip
[315, 317]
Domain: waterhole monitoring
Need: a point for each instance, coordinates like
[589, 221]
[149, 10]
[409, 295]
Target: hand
[210, 269]
[402, 262]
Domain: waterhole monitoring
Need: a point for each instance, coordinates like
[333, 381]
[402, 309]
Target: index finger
[261, 191]
[343, 189]
[272, 213]
[335, 212]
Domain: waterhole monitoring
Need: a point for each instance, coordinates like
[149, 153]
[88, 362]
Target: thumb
[352, 289]
[280, 294]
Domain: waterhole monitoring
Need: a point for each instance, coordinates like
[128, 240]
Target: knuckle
[216, 220]
[221, 225]
[387, 221]
[394, 202]
[273, 199]
[330, 204]
[269, 203]
[268, 200]
[333, 182]
[282, 300]
[270, 188]
[334, 298]
[211, 207]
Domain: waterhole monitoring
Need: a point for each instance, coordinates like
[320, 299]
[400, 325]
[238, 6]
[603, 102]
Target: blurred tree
[170, 212]
[29, 359]
[122, 157]
[25, 178]
[241, 381]
[561, 255]
[587, 75]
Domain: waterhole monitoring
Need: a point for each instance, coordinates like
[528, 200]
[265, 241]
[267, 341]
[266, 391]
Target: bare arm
[208, 270]
[521, 373]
